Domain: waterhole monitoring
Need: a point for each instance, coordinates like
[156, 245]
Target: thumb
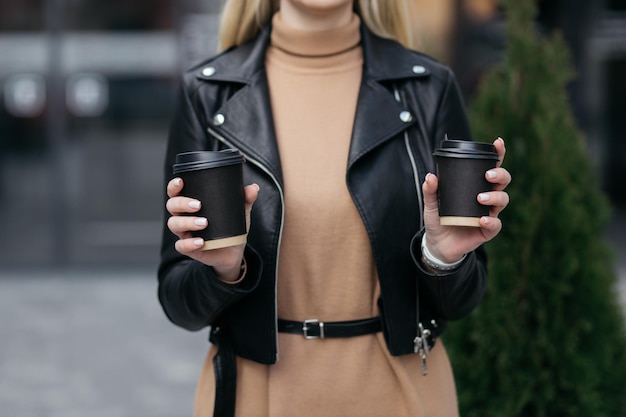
[429, 188]
[251, 192]
[431, 203]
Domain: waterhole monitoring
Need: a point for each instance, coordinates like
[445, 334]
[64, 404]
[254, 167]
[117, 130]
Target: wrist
[434, 263]
[233, 275]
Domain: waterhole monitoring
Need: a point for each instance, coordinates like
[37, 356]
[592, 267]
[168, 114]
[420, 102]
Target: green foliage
[549, 338]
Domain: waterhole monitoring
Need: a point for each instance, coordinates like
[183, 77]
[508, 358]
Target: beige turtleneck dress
[326, 268]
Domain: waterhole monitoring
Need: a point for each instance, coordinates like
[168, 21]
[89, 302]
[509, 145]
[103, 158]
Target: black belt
[225, 364]
[315, 329]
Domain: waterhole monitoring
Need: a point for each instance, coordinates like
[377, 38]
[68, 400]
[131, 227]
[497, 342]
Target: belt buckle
[306, 328]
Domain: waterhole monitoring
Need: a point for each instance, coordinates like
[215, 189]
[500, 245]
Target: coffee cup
[461, 167]
[215, 178]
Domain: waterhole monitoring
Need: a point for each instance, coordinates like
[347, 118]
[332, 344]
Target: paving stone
[90, 344]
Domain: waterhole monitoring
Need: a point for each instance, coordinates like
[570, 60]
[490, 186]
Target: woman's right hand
[225, 261]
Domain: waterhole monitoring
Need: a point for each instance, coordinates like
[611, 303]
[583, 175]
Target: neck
[301, 15]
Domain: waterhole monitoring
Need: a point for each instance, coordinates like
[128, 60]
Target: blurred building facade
[87, 89]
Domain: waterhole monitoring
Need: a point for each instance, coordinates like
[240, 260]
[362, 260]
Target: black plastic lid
[466, 149]
[196, 160]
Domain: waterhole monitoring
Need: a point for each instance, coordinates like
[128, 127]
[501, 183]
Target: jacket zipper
[420, 342]
[282, 220]
[418, 187]
[416, 177]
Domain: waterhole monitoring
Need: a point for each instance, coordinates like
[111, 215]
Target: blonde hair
[243, 19]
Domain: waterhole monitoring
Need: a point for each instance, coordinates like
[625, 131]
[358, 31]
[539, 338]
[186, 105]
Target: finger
[500, 149]
[174, 187]
[188, 246]
[182, 224]
[178, 205]
[490, 227]
[500, 177]
[498, 200]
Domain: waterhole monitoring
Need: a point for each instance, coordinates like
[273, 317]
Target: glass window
[119, 15]
[22, 15]
[89, 185]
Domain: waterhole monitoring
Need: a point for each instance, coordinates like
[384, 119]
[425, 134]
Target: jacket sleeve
[189, 292]
[452, 295]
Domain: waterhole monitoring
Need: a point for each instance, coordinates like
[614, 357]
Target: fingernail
[427, 177]
[198, 242]
[491, 174]
[483, 197]
[194, 204]
[486, 220]
[177, 182]
[257, 186]
[200, 222]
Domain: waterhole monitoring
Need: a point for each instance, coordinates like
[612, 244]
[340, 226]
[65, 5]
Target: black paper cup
[216, 180]
[461, 168]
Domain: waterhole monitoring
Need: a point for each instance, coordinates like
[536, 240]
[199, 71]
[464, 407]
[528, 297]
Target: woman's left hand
[450, 243]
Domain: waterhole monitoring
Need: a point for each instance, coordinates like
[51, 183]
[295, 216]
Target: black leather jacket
[407, 103]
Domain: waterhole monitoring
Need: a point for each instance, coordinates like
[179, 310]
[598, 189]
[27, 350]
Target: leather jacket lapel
[245, 118]
[379, 117]
[248, 124]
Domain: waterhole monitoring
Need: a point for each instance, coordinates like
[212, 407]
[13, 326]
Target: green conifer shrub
[549, 339]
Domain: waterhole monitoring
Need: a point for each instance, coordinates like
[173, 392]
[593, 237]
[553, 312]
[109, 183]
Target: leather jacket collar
[385, 62]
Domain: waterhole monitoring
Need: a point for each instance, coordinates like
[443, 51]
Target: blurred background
[87, 89]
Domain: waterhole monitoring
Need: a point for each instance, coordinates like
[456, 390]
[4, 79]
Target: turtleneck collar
[306, 43]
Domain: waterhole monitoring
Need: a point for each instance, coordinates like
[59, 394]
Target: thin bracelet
[242, 273]
[435, 263]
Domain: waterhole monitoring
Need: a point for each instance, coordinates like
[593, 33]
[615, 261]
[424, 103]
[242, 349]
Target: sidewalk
[92, 345]
[96, 344]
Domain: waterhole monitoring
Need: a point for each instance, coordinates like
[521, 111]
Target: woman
[347, 272]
